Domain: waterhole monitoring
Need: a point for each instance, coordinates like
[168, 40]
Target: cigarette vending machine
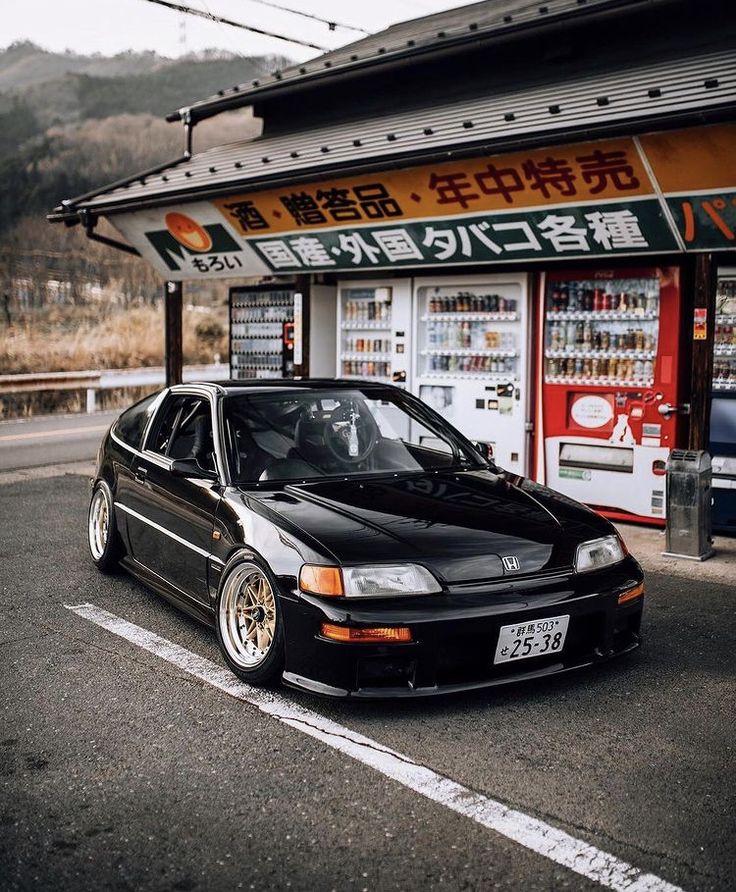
[261, 332]
[277, 332]
[722, 445]
[609, 401]
[471, 359]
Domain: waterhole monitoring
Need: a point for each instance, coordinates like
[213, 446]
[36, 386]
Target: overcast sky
[112, 26]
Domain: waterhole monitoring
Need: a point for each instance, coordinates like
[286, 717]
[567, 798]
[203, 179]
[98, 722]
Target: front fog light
[598, 553]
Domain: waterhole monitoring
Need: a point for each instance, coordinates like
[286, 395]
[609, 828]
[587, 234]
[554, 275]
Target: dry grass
[81, 338]
[57, 339]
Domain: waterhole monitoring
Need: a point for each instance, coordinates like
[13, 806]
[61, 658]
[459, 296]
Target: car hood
[461, 525]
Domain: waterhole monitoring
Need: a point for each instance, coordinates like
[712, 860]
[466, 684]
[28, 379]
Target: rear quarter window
[131, 424]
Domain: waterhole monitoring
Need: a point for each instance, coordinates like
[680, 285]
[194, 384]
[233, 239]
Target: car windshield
[297, 434]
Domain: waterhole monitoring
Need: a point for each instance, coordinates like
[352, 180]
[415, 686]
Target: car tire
[249, 623]
[103, 537]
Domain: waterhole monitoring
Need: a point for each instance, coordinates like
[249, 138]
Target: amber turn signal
[632, 593]
[321, 580]
[375, 634]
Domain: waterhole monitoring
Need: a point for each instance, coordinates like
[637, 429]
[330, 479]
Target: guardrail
[105, 379]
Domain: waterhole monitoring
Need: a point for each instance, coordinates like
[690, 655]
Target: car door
[171, 519]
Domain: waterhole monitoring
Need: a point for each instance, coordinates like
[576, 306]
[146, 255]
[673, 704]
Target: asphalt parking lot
[123, 770]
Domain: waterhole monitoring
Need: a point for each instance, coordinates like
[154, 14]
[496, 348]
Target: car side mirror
[485, 449]
[189, 467]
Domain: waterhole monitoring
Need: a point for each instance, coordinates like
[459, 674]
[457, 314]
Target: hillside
[60, 88]
[69, 123]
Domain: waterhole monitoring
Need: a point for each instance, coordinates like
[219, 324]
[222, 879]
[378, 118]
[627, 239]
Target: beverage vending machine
[609, 398]
[722, 445]
[374, 331]
[471, 359]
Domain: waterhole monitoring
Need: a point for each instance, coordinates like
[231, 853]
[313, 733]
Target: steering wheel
[351, 433]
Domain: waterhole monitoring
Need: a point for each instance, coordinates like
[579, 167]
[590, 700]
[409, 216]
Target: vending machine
[277, 332]
[609, 401]
[722, 445]
[374, 331]
[261, 332]
[471, 359]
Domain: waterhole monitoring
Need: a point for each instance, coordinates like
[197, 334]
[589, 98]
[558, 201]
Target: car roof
[254, 385]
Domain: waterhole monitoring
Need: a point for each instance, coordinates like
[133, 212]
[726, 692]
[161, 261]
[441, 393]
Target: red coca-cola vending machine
[609, 400]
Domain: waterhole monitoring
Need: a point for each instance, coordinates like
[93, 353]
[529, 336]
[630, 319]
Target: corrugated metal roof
[545, 113]
[490, 18]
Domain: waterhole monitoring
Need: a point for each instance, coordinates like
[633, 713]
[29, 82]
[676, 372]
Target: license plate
[531, 639]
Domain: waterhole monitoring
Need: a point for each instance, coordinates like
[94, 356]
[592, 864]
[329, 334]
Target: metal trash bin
[689, 480]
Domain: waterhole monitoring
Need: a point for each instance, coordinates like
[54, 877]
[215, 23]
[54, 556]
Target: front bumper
[455, 636]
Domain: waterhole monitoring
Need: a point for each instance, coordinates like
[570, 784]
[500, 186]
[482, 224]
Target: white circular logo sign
[591, 411]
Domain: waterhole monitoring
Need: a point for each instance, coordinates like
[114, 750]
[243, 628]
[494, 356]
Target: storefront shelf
[450, 351]
[377, 357]
[490, 377]
[470, 317]
[367, 325]
[600, 354]
[580, 380]
[602, 316]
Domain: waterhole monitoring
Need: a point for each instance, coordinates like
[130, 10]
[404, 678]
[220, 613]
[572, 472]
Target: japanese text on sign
[604, 230]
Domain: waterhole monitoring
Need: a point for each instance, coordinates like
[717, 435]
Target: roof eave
[70, 215]
[208, 108]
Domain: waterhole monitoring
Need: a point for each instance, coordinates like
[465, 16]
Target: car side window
[131, 424]
[185, 431]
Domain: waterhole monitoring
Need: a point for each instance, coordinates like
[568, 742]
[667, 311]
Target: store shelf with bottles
[470, 317]
[373, 357]
[468, 351]
[724, 373]
[603, 315]
[487, 377]
[366, 326]
[574, 353]
[362, 367]
[583, 381]
[599, 371]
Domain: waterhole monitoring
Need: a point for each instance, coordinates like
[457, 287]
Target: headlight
[599, 553]
[401, 579]
[368, 582]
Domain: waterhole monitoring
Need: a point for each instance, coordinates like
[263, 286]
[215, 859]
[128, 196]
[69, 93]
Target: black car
[343, 537]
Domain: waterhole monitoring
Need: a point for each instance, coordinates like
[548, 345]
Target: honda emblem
[511, 563]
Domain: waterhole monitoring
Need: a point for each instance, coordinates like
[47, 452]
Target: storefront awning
[698, 88]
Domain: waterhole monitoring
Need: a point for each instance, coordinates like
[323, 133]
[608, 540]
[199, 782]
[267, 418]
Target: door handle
[141, 474]
[666, 410]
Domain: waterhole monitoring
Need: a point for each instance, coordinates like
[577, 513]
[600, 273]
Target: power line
[308, 15]
[216, 18]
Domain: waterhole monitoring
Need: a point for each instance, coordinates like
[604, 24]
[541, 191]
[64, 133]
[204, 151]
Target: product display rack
[724, 348]
[467, 335]
[365, 348]
[602, 334]
[257, 319]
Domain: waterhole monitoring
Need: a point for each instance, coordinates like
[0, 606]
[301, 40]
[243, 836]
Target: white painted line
[60, 432]
[533, 834]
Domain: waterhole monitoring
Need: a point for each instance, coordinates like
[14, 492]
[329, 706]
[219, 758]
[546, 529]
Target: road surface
[125, 765]
[51, 439]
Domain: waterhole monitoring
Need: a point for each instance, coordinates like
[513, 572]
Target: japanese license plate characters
[531, 639]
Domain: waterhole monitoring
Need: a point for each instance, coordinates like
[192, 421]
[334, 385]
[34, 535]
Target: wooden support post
[173, 326]
[704, 296]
